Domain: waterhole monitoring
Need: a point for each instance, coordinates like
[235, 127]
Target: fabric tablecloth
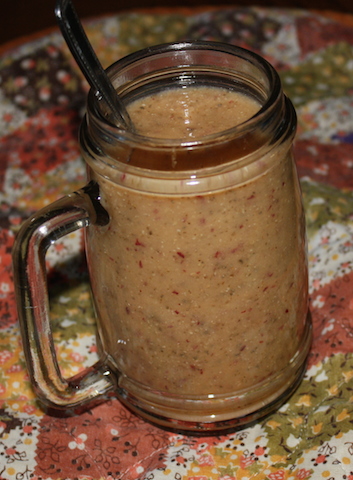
[42, 100]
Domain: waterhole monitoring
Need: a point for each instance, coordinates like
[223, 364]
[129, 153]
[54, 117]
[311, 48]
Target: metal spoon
[83, 53]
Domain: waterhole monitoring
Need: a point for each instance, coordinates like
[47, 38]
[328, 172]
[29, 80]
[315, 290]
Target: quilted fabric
[42, 99]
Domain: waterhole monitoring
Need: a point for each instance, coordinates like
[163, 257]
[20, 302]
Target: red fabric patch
[332, 322]
[331, 164]
[318, 32]
[108, 441]
[42, 143]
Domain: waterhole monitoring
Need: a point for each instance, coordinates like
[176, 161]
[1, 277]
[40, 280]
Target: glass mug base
[215, 413]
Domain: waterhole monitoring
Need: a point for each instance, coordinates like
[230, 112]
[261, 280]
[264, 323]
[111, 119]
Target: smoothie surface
[191, 112]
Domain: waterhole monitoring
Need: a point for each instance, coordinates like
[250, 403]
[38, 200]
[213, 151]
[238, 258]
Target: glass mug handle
[74, 211]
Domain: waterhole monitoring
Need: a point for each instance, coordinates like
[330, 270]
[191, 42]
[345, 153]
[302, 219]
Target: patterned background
[42, 97]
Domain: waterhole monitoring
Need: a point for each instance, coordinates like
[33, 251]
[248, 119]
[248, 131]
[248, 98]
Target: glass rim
[133, 138]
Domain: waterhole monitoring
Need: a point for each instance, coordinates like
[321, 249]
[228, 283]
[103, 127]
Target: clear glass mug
[196, 252]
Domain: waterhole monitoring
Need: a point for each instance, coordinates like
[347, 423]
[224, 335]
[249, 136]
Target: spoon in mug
[83, 53]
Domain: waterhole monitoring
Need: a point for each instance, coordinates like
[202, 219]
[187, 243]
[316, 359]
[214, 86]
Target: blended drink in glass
[196, 247]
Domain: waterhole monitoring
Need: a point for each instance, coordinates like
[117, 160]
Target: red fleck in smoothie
[200, 285]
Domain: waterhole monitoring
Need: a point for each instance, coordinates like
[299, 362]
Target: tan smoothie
[201, 293]
[193, 112]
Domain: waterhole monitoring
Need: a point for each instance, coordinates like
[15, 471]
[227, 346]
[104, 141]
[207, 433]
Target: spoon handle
[83, 53]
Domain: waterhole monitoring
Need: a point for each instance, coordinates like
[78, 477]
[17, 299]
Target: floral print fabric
[42, 99]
